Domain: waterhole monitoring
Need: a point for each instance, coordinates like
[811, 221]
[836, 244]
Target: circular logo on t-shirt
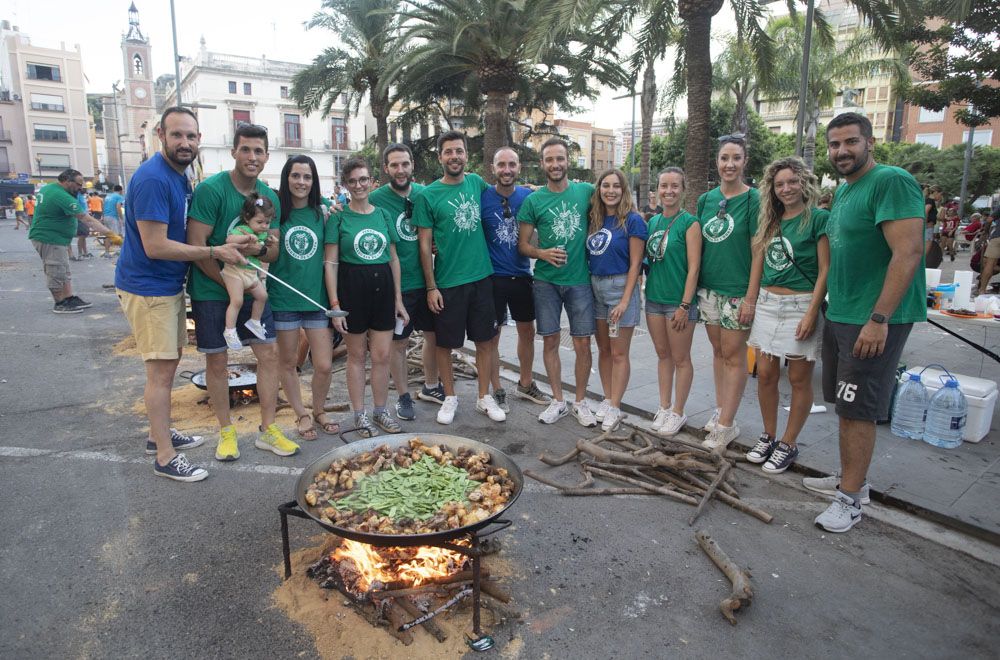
[718, 229]
[466, 213]
[653, 248]
[301, 243]
[598, 242]
[369, 244]
[405, 228]
[565, 222]
[777, 258]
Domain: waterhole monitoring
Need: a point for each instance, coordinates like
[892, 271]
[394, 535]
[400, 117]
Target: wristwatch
[685, 306]
[878, 318]
[263, 251]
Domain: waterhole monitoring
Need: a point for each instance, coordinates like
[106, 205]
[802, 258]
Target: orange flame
[406, 566]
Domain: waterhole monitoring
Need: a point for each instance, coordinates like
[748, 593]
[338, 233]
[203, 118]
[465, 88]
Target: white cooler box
[980, 395]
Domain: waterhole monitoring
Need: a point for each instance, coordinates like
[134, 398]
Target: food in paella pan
[420, 489]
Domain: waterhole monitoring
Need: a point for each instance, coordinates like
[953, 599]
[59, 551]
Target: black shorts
[210, 320]
[82, 228]
[514, 293]
[468, 309]
[420, 315]
[368, 293]
[861, 389]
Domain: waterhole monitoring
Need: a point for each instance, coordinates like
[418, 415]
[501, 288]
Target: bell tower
[136, 100]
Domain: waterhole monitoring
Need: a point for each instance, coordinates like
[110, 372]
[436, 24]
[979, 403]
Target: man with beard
[499, 205]
[562, 277]
[397, 199]
[459, 289]
[149, 278]
[876, 249]
[215, 210]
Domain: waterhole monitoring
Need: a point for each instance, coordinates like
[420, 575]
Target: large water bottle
[910, 408]
[946, 415]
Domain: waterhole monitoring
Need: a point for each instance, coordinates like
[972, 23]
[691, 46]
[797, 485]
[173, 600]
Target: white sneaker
[659, 419]
[830, 486]
[673, 425]
[612, 419]
[720, 437]
[232, 339]
[841, 515]
[713, 421]
[257, 328]
[447, 413]
[602, 410]
[488, 406]
[554, 412]
[584, 414]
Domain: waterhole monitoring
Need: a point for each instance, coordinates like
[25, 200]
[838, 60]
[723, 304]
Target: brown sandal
[306, 434]
[328, 427]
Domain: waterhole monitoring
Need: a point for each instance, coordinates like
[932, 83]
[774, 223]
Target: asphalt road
[99, 559]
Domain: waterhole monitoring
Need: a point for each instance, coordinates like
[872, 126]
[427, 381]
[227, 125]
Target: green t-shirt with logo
[217, 203]
[561, 220]
[55, 216]
[668, 274]
[363, 238]
[408, 247]
[452, 212]
[300, 262]
[859, 253]
[799, 245]
[725, 255]
[244, 230]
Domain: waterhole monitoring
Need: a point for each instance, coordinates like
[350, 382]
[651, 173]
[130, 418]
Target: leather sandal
[305, 434]
[328, 427]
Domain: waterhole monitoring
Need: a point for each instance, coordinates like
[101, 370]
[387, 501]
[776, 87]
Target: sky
[249, 27]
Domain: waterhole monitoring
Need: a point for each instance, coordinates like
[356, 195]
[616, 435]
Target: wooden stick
[562, 460]
[742, 592]
[424, 588]
[642, 484]
[587, 480]
[719, 478]
[661, 460]
[494, 590]
[430, 625]
[583, 489]
[396, 617]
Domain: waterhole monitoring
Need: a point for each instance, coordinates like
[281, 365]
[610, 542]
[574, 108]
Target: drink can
[563, 248]
[399, 326]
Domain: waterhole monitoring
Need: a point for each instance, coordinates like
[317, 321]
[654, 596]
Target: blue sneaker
[404, 408]
[178, 440]
[179, 469]
[432, 394]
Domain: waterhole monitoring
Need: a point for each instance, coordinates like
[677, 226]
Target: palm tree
[369, 30]
[483, 45]
[736, 74]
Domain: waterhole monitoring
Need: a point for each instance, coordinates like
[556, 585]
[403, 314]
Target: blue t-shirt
[500, 226]
[608, 249]
[111, 203]
[157, 192]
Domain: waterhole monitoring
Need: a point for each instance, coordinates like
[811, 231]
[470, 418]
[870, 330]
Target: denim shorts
[210, 320]
[550, 300]
[312, 320]
[659, 309]
[608, 292]
[775, 322]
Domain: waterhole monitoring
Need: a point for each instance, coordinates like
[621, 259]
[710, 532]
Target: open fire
[364, 568]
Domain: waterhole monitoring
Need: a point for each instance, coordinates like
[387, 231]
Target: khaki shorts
[158, 323]
[55, 263]
[716, 309]
[992, 249]
[247, 277]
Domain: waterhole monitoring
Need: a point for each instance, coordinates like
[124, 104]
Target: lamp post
[631, 154]
[38, 162]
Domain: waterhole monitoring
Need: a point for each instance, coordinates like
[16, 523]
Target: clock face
[140, 93]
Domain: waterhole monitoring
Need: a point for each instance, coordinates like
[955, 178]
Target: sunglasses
[733, 137]
[507, 214]
[408, 208]
[722, 209]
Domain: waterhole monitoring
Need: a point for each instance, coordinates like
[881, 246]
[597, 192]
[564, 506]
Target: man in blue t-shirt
[114, 211]
[511, 274]
[149, 279]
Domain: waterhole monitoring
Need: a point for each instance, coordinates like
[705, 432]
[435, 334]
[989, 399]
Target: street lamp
[38, 161]
[631, 155]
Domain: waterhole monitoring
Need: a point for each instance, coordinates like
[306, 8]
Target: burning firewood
[740, 578]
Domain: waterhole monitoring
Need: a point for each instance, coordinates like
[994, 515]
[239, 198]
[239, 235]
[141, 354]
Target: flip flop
[328, 427]
[308, 434]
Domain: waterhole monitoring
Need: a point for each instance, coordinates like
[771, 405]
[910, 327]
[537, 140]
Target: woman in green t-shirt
[793, 253]
[300, 263]
[726, 290]
[362, 274]
[674, 253]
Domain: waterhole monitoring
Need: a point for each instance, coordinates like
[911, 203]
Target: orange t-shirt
[29, 206]
[95, 204]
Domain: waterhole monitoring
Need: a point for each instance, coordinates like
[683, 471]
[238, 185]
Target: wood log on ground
[687, 499]
[494, 590]
[397, 617]
[584, 489]
[430, 625]
[742, 592]
[652, 460]
[714, 486]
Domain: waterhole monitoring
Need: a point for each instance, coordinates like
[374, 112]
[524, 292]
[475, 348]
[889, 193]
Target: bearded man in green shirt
[877, 292]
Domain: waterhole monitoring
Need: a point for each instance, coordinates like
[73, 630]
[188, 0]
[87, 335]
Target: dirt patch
[125, 347]
[338, 631]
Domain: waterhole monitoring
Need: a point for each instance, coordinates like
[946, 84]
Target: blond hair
[772, 208]
[621, 211]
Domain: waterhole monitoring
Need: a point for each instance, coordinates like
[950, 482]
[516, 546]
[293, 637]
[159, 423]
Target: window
[247, 90]
[137, 65]
[232, 86]
[774, 129]
[878, 119]
[339, 132]
[240, 117]
[43, 72]
[49, 102]
[883, 93]
[983, 137]
[343, 98]
[293, 132]
[54, 161]
[933, 139]
[4, 163]
[284, 92]
[51, 132]
[581, 162]
[927, 116]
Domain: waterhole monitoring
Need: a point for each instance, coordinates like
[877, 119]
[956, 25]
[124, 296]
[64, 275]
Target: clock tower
[136, 96]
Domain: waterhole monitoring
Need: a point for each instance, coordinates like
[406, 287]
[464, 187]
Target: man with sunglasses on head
[511, 274]
[397, 199]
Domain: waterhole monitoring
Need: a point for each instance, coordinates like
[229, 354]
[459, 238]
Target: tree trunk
[495, 121]
[698, 151]
[380, 110]
[809, 146]
[648, 106]
[740, 122]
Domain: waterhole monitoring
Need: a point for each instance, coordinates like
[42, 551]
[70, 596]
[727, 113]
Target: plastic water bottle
[910, 408]
[946, 414]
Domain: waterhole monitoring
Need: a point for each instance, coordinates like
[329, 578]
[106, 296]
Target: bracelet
[334, 303]
[210, 252]
[332, 263]
[748, 304]
[431, 288]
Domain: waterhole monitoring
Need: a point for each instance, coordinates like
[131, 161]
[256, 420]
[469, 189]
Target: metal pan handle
[501, 524]
[186, 374]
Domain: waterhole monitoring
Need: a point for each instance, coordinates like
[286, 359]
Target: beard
[183, 158]
[847, 167]
[454, 169]
[396, 185]
[555, 175]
